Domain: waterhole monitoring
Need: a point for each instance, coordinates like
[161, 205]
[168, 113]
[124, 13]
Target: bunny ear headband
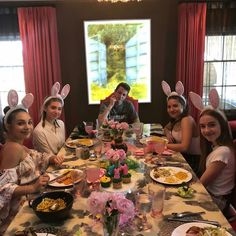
[213, 98]
[55, 93]
[12, 99]
[179, 90]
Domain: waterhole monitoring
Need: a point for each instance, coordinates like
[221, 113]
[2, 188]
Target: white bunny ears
[55, 93]
[12, 99]
[213, 99]
[179, 90]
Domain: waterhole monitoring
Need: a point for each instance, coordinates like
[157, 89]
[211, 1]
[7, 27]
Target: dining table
[81, 222]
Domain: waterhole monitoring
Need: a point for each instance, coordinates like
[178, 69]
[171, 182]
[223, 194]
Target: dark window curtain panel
[9, 28]
[191, 42]
[221, 18]
[38, 32]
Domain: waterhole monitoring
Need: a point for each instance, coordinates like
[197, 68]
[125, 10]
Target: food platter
[153, 139]
[80, 142]
[182, 229]
[170, 175]
[62, 178]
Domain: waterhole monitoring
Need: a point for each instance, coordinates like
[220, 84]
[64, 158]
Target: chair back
[132, 100]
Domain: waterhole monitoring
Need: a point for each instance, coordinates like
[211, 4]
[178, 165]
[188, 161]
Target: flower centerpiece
[113, 209]
[115, 129]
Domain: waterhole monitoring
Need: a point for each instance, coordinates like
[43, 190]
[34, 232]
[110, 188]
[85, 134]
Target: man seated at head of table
[117, 107]
[22, 170]
[217, 163]
[181, 131]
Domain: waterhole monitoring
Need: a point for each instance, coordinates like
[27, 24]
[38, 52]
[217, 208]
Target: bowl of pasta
[53, 206]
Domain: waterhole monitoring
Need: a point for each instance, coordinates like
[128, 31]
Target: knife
[194, 220]
[58, 177]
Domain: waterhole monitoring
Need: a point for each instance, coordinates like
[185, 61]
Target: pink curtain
[191, 42]
[38, 31]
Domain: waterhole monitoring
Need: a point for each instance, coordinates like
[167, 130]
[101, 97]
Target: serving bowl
[53, 215]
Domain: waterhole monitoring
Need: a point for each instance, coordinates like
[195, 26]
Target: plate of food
[153, 139]
[80, 142]
[64, 177]
[170, 175]
[197, 229]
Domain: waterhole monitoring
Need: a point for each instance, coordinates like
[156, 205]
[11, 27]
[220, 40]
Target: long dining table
[81, 222]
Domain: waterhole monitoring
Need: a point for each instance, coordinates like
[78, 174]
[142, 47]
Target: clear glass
[143, 206]
[157, 194]
[138, 130]
[92, 176]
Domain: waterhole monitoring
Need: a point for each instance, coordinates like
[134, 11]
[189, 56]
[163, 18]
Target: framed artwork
[118, 51]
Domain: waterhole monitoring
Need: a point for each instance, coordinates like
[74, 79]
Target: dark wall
[71, 15]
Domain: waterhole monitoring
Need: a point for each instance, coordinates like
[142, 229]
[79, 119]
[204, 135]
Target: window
[11, 70]
[220, 69]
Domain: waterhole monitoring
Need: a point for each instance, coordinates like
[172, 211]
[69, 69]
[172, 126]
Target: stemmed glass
[159, 149]
[143, 206]
[88, 127]
[93, 175]
[138, 130]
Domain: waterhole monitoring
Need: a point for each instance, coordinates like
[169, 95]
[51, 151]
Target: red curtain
[191, 42]
[38, 31]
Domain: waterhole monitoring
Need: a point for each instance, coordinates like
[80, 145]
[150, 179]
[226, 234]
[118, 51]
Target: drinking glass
[75, 176]
[138, 130]
[89, 127]
[157, 194]
[98, 149]
[93, 175]
[159, 149]
[143, 205]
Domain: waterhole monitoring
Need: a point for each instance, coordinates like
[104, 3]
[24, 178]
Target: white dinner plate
[45, 234]
[80, 142]
[181, 230]
[170, 175]
[68, 182]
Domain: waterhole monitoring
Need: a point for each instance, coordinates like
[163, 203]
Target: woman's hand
[57, 160]
[41, 182]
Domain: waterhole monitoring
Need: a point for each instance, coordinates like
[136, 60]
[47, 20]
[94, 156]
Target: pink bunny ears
[55, 93]
[12, 99]
[213, 98]
[179, 90]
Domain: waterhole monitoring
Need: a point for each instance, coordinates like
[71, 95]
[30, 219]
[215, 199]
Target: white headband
[55, 93]
[179, 90]
[12, 99]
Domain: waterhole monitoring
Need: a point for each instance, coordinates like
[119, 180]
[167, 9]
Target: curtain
[38, 32]
[190, 54]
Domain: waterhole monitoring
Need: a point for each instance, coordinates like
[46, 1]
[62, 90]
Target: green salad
[185, 192]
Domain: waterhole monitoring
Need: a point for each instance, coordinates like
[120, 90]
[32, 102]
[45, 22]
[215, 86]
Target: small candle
[125, 169]
[116, 173]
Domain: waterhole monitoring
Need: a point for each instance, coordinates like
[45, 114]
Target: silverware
[194, 220]
[58, 177]
[186, 214]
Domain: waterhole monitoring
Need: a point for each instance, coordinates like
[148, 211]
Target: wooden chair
[132, 100]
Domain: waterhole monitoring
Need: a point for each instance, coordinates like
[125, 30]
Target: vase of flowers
[113, 130]
[114, 210]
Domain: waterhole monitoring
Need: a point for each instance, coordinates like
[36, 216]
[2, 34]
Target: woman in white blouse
[49, 134]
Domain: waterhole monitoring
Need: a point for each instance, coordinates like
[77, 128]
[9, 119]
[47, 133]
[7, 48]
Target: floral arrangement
[109, 206]
[115, 126]
[118, 155]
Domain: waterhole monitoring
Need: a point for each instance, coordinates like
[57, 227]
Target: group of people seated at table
[207, 147]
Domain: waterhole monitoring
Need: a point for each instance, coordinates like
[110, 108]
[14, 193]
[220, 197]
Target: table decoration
[112, 209]
[113, 130]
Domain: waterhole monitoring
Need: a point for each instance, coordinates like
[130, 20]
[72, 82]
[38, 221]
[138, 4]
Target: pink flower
[96, 202]
[121, 153]
[124, 125]
[110, 153]
[115, 155]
